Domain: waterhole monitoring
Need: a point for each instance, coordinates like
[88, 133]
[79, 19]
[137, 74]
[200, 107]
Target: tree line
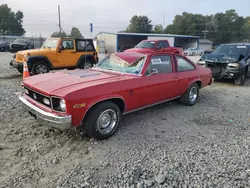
[219, 28]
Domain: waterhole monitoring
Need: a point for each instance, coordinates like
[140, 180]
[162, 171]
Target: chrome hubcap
[87, 65]
[41, 69]
[193, 94]
[107, 121]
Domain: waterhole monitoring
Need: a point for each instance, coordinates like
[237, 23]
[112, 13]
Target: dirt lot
[168, 145]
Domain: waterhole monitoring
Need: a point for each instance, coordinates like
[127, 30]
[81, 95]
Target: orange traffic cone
[25, 69]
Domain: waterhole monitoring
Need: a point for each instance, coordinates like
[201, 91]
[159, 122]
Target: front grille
[38, 97]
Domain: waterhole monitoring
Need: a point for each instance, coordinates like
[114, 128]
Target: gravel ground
[168, 145]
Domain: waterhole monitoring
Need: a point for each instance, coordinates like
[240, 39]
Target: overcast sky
[41, 17]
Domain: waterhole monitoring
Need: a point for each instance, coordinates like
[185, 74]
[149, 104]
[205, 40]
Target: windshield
[19, 41]
[114, 63]
[145, 44]
[231, 49]
[50, 43]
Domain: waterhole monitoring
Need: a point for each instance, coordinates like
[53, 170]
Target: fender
[82, 58]
[32, 59]
[101, 99]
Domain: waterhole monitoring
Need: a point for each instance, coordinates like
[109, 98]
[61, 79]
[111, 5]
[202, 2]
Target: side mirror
[60, 49]
[153, 72]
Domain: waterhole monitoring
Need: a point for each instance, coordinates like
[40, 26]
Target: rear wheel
[102, 121]
[190, 97]
[86, 65]
[40, 67]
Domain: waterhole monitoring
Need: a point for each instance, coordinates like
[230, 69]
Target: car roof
[242, 44]
[76, 38]
[131, 57]
[155, 40]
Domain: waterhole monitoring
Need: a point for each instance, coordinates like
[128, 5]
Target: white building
[205, 44]
[121, 41]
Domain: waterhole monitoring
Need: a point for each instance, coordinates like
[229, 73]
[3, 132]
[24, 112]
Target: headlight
[58, 104]
[62, 105]
[202, 63]
[233, 65]
[46, 101]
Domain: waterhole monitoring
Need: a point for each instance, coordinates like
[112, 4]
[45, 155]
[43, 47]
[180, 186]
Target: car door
[66, 56]
[185, 72]
[162, 84]
[84, 47]
[160, 47]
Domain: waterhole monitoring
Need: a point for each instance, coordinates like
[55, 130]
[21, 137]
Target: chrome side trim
[59, 122]
[150, 105]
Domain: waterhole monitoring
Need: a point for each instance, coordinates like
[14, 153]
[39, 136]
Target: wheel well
[118, 101]
[199, 83]
[33, 61]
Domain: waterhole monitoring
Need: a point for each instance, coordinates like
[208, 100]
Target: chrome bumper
[58, 122]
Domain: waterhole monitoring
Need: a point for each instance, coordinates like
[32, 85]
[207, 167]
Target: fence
[37, 41]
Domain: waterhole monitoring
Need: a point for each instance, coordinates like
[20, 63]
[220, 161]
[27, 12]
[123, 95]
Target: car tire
[193, 54]
[20, 70]
[105, 112]
[241, 80]
[191, 95]
[86, 65]
[40, 67]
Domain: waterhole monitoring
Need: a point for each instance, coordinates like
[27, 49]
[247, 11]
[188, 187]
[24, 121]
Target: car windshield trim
[96, 67]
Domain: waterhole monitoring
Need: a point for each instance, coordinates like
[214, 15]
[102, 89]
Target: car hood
[222, 58]
[35, 51]
[140, 50]
[63, 82]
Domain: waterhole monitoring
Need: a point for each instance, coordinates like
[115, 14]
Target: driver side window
[161, 63]
[68, 44]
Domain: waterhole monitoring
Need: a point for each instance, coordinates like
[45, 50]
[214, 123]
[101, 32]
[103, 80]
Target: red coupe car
[95, 99]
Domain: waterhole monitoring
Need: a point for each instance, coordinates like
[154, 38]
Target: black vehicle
[230, 61]
[21, 44]
[4, 46]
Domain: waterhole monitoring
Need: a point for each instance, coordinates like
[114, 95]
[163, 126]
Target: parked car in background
[193, 51]
[229, 61]
[57, 53]
[4, 46]
[150, 46]
[21, 44]
[95, 99]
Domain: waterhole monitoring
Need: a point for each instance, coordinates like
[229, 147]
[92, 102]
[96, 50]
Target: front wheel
[40, 68]
[103, 120]
[190, 97]
[241, 80]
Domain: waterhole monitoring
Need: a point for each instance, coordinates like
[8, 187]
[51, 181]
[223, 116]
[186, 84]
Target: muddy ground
[169, 145]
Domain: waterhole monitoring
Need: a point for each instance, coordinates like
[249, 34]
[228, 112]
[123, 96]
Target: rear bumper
[51, 119]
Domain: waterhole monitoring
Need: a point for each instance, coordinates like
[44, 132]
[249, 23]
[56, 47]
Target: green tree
[158, 29]
[11, 22]
[246, 29]
[59, 34]
[140, 24]
[75, 32]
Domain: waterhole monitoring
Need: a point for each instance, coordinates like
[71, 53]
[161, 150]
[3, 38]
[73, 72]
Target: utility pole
[59, 16]
[205, 32]
[163, 21]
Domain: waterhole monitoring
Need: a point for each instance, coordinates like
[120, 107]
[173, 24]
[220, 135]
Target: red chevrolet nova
[95, 99]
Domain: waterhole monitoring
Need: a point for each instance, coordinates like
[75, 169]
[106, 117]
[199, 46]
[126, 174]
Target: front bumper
[51, 119]
[14, 64]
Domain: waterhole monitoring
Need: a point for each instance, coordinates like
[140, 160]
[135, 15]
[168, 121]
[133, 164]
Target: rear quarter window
[183, 64]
